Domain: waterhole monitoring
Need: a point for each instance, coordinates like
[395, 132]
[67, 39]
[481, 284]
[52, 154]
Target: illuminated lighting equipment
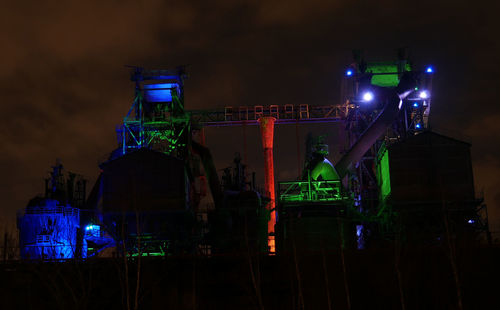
[415, 104]
[418, 126]
[349, 72]
[471, 221]
[423, 94]
[368, 96]
[429, 70]
[92, 230]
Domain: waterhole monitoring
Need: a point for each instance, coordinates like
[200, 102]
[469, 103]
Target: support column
[267, 131]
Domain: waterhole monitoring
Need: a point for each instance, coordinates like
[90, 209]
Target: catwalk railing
[308, 191]
[286, 114]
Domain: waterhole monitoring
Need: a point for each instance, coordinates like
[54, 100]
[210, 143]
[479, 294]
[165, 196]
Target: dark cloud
[64, 87]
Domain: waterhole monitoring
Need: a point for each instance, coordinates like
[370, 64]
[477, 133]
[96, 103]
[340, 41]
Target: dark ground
[427, 282]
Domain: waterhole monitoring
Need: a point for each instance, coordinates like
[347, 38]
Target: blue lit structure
[92, 231]
[156, 119]
[48, 230]
[49, 226]
[160, 92]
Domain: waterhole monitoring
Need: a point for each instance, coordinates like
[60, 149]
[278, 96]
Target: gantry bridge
[284, 114]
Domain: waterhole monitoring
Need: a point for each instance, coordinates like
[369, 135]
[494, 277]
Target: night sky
[65, 86]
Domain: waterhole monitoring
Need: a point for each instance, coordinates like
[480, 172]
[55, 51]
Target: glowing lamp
[415, 104]
[429, 70]
[470, 221]
[349, 72]
[368, 96]
[92, 230]
[423, 94]
[418, 126]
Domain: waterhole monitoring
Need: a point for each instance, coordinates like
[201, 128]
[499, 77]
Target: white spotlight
[423, 94]
[368, 96]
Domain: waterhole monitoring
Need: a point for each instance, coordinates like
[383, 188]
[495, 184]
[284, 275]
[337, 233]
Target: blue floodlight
[415, 104]
[92, 230]
[368, 96]
[429, 70]
[471, 221]
[418, 126]
[349, 72]
[423, 94]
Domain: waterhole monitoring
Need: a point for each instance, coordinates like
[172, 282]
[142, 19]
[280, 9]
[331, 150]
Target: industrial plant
[159, 195]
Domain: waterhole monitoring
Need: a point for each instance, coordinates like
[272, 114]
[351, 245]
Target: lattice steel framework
[156, 119]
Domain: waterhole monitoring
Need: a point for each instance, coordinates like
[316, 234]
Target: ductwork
[379, 125]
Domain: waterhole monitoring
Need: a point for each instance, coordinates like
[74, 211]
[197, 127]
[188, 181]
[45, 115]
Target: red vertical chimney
[267, 131]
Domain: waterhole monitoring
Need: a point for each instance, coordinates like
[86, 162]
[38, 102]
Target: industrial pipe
[379, 125]
[267, 132]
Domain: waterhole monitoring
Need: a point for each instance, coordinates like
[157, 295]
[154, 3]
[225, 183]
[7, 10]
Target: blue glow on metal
[159, 92]
[349, 72]
[429, 70]
[360, 238]
[48, 231]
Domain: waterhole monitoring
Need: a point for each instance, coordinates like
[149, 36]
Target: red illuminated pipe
[267, 131]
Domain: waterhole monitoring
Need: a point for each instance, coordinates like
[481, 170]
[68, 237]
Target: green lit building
[314, 213]
[426, 189]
